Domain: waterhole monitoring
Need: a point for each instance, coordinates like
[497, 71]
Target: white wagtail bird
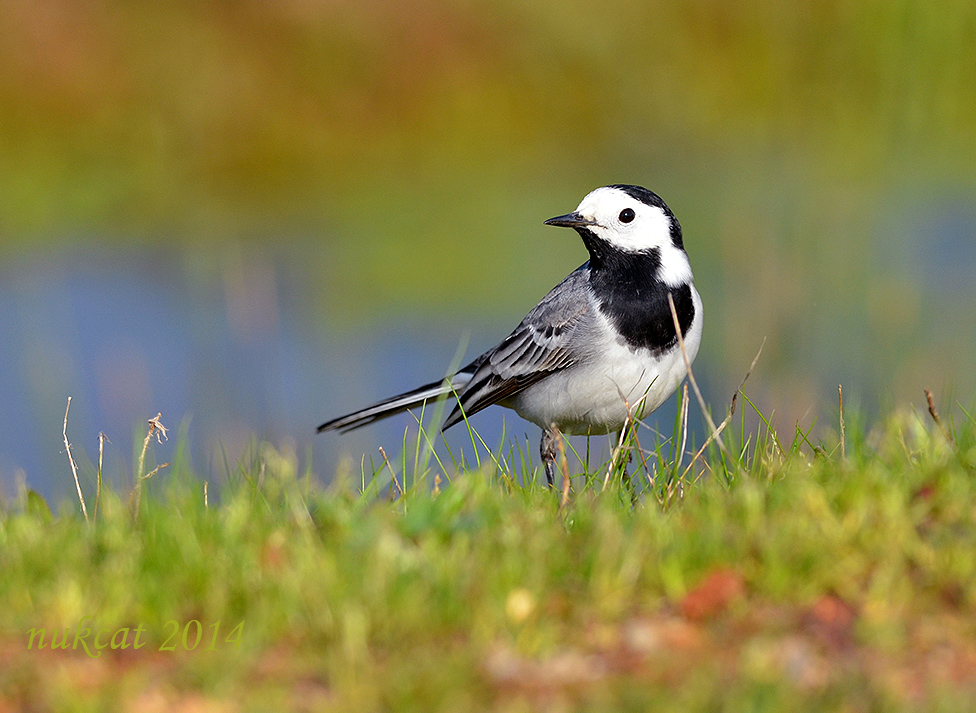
[600, 348]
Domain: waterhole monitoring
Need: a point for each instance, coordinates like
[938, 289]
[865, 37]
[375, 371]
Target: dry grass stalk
[393, 477]
[71, 460]
[728, 418]
[935, 416]
[155, 427]
[618, 450]
[843, 437]
[715, 433]
[98, 482]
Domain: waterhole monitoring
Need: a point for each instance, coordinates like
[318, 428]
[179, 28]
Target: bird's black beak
[570, 220]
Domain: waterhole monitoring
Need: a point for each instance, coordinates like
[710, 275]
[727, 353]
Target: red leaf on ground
[713, 595]
[832, 619]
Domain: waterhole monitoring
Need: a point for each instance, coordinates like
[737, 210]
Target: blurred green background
[394, 161]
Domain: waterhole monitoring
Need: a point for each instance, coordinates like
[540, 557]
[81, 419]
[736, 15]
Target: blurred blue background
[254, 216]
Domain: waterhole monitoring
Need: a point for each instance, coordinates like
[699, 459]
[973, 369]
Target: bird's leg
[547, 447]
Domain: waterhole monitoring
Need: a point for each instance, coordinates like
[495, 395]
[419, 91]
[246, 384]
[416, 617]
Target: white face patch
[649, 228]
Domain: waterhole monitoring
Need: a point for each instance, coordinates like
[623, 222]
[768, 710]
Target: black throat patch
[635, 300]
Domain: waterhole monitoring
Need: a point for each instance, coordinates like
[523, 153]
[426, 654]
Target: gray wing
[546, 341]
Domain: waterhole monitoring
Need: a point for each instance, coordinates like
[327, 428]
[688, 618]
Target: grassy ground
[786, 578]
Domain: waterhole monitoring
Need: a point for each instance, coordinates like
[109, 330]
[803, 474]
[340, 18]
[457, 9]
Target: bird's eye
[626, 215]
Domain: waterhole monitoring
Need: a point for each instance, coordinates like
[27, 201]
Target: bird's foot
[547, 447]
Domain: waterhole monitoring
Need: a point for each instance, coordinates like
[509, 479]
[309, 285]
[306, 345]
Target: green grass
[778, 577]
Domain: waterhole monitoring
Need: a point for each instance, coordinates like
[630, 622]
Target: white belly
[595, 395]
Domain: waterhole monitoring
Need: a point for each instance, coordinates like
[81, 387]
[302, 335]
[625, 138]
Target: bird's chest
[640, 312]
